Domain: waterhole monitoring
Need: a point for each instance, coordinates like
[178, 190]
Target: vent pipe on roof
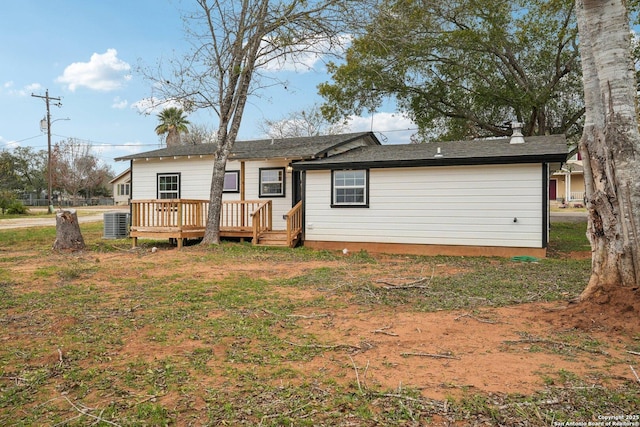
[516, 136]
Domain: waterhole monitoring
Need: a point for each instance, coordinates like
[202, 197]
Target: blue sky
[87, 52]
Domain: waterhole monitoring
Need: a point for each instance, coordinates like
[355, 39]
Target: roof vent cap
[438, 153]
[516, 136]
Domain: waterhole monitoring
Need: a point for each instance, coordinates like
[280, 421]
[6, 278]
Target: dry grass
[219, 336]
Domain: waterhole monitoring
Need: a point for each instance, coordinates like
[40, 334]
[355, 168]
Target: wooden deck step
[273, 238]
[276, 238]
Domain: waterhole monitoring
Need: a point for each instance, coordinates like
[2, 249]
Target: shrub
[6, 197]
[17, 208]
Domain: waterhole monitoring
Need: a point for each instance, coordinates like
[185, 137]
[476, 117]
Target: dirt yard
[517, 349]
[489, 350]
[498, 350]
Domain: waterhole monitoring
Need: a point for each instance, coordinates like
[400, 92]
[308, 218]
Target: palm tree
[173, 123]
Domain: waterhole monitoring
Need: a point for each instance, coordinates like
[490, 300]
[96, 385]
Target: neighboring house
[486, 197]
[122, 188]
[567, 184]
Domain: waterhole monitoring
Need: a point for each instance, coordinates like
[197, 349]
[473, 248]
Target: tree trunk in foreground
[610, 146]
[68, 235]
[212, 231]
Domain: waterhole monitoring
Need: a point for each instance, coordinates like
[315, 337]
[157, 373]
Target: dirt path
[85, 215]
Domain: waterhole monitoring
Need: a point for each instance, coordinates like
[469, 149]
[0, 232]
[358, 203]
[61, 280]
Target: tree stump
[68, 235]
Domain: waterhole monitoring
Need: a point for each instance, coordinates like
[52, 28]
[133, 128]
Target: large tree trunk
[609, 146]
[173, 138]
[68, 235]
[212, 231]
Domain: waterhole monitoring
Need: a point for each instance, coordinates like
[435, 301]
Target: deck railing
[186, 219]
[577, 196]
[169, 214]
[238, 215]
[183, 213]
[261, 219]
[294, 223]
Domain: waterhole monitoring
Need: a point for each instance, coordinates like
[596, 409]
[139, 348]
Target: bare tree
[199, 134]
[309, 122]
[234, 44]
[610, 145]
[75, 169]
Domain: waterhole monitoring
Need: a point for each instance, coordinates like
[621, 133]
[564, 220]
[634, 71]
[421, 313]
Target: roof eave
[443, 161]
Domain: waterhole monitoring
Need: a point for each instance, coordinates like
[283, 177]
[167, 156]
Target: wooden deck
[183, 219]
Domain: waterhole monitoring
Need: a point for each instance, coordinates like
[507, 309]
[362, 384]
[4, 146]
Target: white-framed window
[124, 189]
[350, 188]
[272, 182]
[168, 186]
[231, 182]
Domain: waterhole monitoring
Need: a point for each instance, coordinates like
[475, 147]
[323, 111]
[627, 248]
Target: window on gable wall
[169, 186]
[272, 182]
[350, 188]
[231, 182]
[123, 189]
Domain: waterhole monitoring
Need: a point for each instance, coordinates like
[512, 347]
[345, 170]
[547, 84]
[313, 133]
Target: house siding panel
[196, 181]
[280, 205]
[195, 177]
[465, 206]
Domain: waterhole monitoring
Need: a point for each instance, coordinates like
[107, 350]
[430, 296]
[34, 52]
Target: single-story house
[122, 188]
[487, 197]
[260, 184]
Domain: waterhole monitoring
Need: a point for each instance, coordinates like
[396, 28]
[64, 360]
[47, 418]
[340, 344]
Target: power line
[106, 144]
[20, 140]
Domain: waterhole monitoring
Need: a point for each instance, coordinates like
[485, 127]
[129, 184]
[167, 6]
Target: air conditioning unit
[116, 225]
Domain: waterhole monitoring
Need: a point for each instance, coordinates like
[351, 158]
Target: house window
[123, 189]
[231, 182]
[350, 188]
[169, 186]
[272, 182]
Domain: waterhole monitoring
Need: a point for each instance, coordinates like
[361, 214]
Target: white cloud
[154, 105]
[123, 149]
[8, 84]
[103, 72]
[392, 128]
[32, 87]
[134, 147]
[9, 145]
[119, 103]
[25, 91]
[305, 57]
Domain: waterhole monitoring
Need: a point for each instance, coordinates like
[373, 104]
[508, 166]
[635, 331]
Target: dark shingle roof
[490, 151]
[292, 148]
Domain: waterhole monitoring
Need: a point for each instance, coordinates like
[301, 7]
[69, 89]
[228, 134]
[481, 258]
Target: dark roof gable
[293, 148]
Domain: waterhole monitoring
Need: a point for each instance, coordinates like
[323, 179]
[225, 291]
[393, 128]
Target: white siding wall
[463, 205]
[280, 205]
[121, 199]
[195, 181]
[195, 177]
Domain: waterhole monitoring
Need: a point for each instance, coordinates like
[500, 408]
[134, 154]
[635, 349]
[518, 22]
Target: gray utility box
[116, 225]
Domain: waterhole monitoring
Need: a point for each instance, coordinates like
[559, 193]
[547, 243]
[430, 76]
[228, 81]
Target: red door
[553, 189]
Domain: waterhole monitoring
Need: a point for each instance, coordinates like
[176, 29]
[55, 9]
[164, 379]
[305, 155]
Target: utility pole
[47, 100]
